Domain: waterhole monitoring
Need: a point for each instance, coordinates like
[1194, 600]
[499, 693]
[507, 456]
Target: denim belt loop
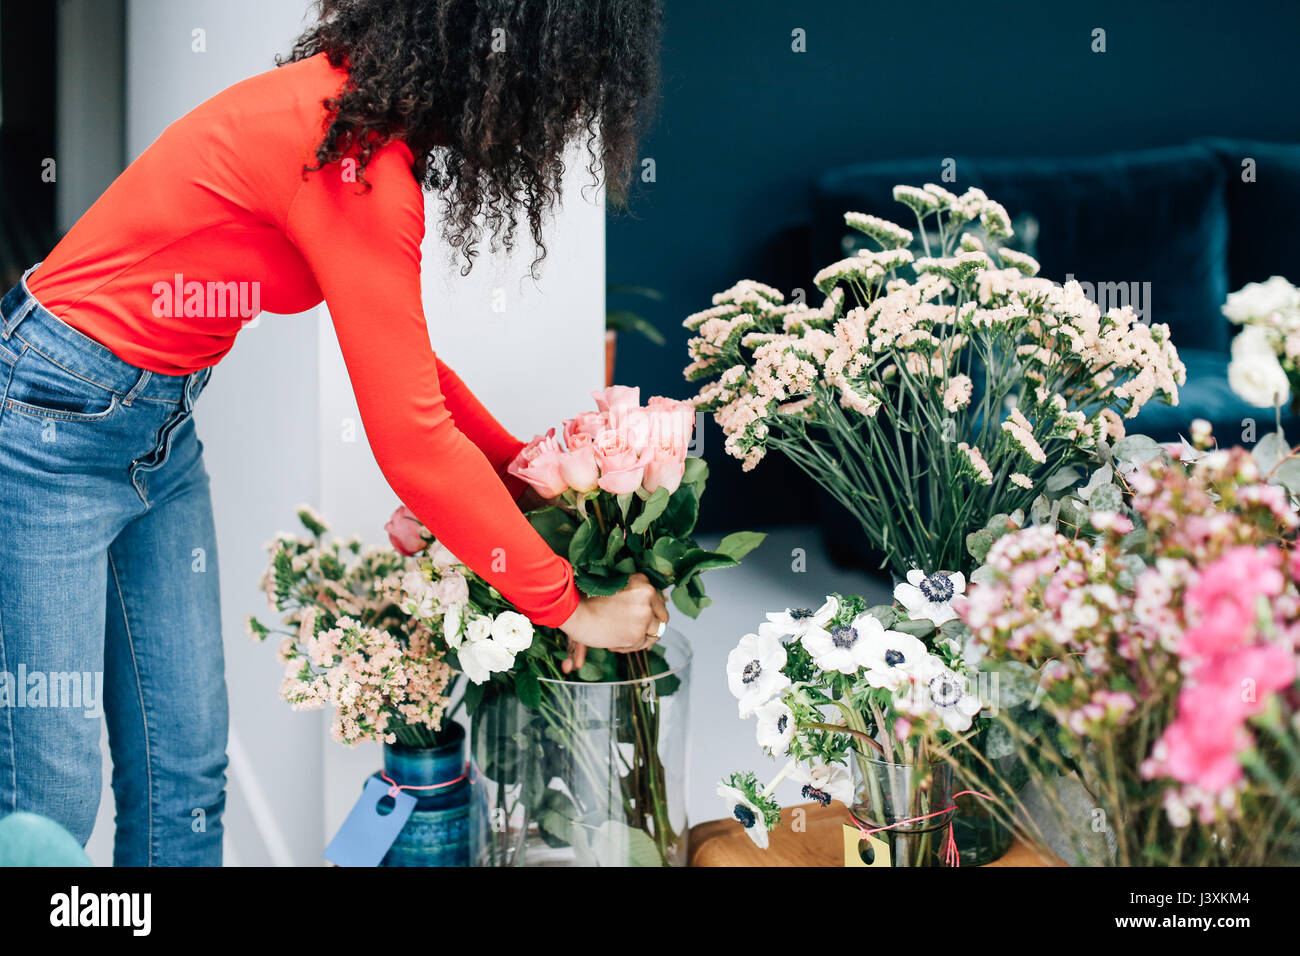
[7, 326]
[138, 387]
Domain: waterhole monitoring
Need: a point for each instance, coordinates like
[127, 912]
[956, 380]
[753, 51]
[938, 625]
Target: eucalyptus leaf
[1137, 449]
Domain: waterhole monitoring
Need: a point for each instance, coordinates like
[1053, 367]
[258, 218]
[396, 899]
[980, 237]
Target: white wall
[272, 419]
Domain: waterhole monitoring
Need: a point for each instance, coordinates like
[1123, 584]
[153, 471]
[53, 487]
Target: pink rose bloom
[622, 465]
[578, 467]
[583, 428]
[617, 396]
[634, 423]
[538, 463]
[681, 415]
[406, 533]
[669, 462]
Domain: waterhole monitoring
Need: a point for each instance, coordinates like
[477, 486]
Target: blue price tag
[368, 832]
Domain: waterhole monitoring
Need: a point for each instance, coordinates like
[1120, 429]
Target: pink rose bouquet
[625, 495]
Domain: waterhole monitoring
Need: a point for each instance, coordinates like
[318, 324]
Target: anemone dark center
[751, 672]
[945, 691]
[813, 793]
[843, 635]
[937, 588]
[894, 657]
[781, 723]
[801, 613]
[744, 815]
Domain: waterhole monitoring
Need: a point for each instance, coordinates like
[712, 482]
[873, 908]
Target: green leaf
[886, 614]
[698, 560]
[654, 506]
[1137, 449]
[613, 545]
[473, 697]
[978, 544]
[695, 473]
[528, 688]
[740, 543]
[684, 602]
[584, 545]
[598, 585]
[1106, 498]
[555, 526]
[1065, 478]
[678, 519]
[623, 320]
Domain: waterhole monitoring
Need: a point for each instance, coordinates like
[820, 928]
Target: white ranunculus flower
[893, 657]
[512, 631]
[1257, 300]
[823, 783]
[775, 726]
[1254, 373]
[754, 671]
[452, 632]
[477, 629]
[482, 658]
[442, 557]
[929, 596]
[845, 647]
[452, 589]
[751, 817]
[796, 622]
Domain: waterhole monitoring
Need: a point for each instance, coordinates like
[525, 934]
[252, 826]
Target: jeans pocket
[41, 388]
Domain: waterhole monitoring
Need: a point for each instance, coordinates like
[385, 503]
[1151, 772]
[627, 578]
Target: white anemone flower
[845, 647]
[754, 671]
[823, 783]
[775, 726]
[894, 658]
[943, 692]
[796, 622]
[751, 817]
[929, 596]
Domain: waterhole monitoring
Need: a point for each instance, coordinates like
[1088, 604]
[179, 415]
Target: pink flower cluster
[1192, 633]
[1233, 660]
[619, 448]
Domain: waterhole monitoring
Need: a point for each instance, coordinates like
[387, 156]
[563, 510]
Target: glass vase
[593, 775]
[898, 795]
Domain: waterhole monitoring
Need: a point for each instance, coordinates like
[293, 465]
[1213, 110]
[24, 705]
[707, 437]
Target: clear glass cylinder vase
[594, 775]
[913, 800]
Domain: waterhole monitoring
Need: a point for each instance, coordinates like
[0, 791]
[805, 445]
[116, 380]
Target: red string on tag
[951, 856]
[394, 788]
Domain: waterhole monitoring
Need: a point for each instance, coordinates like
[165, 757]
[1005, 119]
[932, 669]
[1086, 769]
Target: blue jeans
[108, 594]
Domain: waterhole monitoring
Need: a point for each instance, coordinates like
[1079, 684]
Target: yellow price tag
[864, 851]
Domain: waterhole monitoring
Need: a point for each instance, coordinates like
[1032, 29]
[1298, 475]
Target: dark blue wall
[745, 124]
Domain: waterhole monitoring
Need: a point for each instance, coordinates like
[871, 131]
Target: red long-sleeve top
[221, 197]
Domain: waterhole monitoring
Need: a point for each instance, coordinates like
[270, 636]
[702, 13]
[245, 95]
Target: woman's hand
[624, 622]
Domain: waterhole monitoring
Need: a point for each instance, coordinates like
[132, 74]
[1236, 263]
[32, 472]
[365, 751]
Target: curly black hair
[487, 94]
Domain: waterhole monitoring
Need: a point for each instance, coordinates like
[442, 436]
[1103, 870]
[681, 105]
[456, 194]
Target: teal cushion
[1262, 240]
[29, 839]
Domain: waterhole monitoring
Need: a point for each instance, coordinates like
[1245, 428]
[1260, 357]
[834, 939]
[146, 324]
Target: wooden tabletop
[818, 842]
